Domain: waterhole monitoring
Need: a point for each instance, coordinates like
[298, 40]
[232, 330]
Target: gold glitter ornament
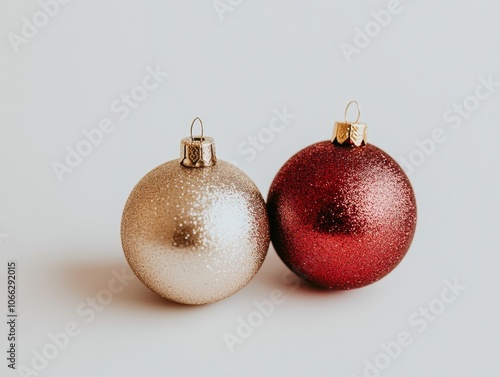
[195, 231]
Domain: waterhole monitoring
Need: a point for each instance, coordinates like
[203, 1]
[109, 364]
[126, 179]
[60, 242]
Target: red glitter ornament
[342, 213]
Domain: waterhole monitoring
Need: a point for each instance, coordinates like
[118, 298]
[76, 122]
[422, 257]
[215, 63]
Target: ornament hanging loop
[347, 110]
[201, 126]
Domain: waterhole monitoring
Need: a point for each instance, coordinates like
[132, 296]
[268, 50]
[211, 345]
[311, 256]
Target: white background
[234, 70]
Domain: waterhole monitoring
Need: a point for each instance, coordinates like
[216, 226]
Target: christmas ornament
[195, 231]
[342, 212]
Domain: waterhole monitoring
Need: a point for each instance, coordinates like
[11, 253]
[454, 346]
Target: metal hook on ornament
[347, 109]
[202, 131]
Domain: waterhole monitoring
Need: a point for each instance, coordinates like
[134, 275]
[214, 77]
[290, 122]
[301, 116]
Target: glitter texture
[341, 217]
[195, 235]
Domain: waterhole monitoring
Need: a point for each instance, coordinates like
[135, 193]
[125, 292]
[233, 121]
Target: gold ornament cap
[198, 151]
[350, 133]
